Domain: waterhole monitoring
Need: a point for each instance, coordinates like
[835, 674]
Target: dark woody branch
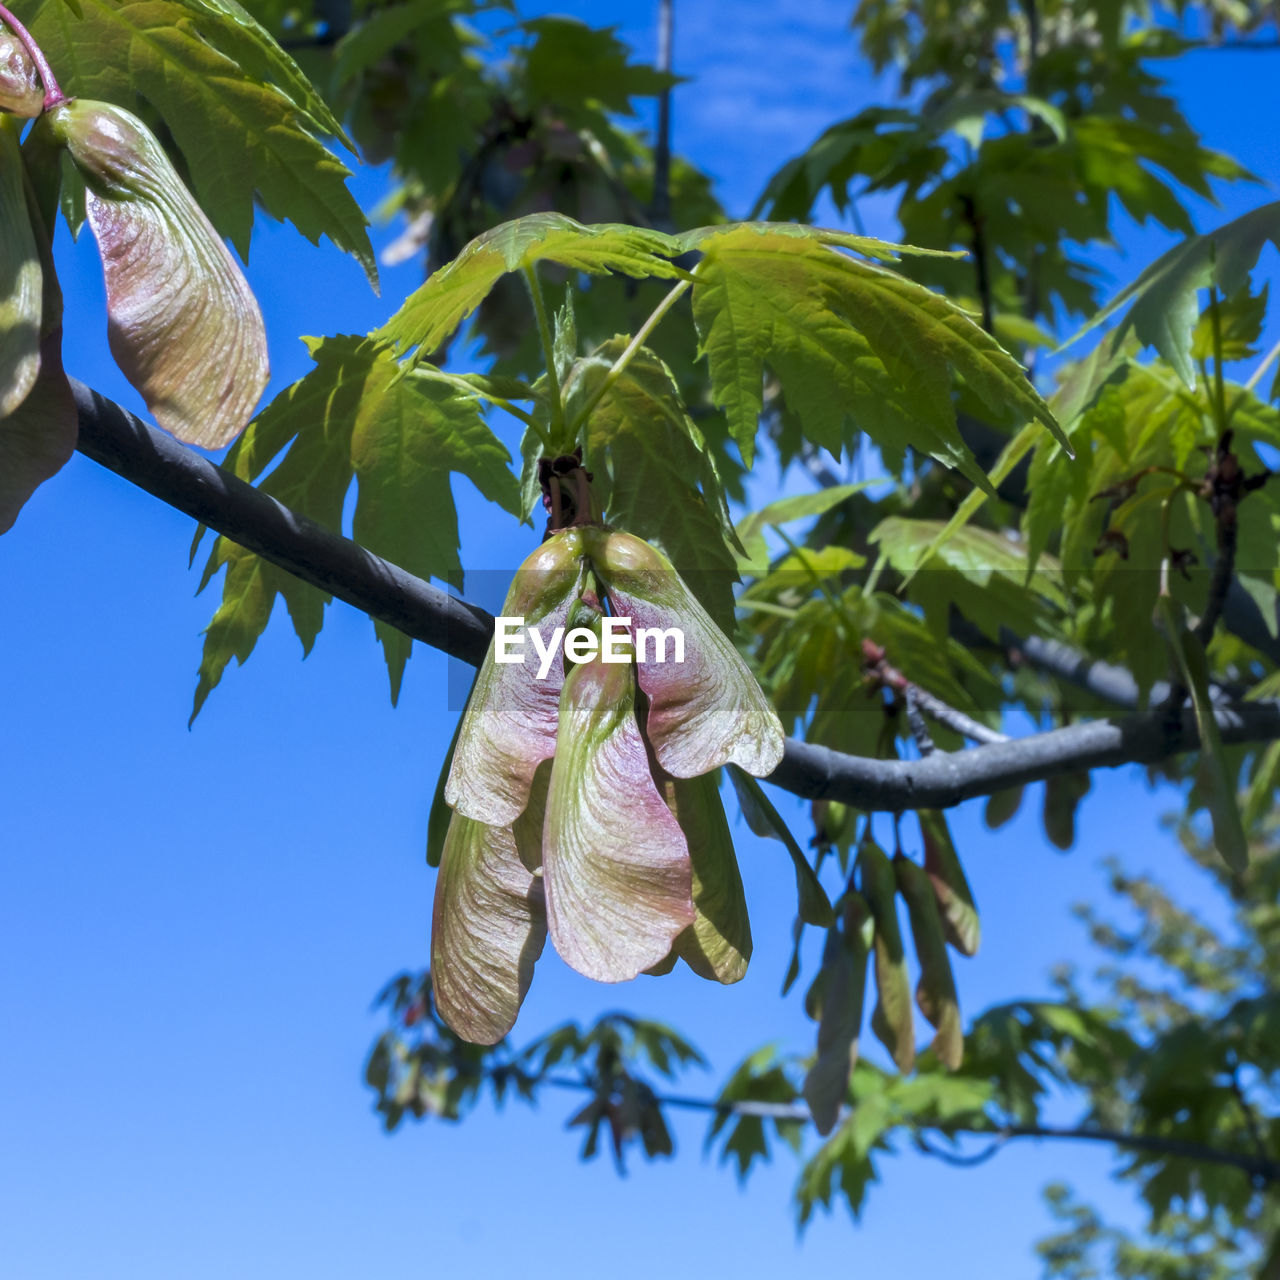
[182, 478]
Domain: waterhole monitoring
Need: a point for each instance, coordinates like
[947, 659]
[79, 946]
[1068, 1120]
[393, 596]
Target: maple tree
[1095, 549]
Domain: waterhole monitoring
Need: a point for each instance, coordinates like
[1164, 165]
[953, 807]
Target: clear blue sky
[193, 924]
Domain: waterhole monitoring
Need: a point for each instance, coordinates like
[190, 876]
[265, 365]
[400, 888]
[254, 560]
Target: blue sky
[193, 923]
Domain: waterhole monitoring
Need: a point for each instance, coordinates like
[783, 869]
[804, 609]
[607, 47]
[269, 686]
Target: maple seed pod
[183, 324]
[509, 726]
[708, 710]
[21, 92]
[717, 946]
[936, 990]
[488, 927]
[892, 1020]
[838, 1000]
[615, 861]
[39, 434]
[950, 887]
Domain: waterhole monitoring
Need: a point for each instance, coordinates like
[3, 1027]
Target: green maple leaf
[409, 435]
[433, 312]
[572, 62]
[248, 597]
[400, 438]
[848, 340]
[980, 572]
[242, 114]
[1163, 301]
[654, 476]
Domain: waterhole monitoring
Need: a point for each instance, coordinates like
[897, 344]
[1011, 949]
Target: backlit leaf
[433, 312]
[239, 110]
[765, 820]
[848, 340]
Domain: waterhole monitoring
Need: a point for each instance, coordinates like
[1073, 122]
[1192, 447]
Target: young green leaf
[936, 990]
[654, 475]
[892, 1020]
[1164, 300]
[751, 528]
[950, 887]
[847, 340]
[432, 313]
[351, 415]
[249, 594]
[239, 110]
[765, 820]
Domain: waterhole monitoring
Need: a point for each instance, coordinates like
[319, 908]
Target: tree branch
[177, 475]
[122, 443]
[1259, 1167]
[660, 206]
[1104, 680]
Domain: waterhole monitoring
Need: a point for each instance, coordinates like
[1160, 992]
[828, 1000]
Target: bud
[183, 324]
[20, 89]
[708, 710]
[616, 867]
[509, 726]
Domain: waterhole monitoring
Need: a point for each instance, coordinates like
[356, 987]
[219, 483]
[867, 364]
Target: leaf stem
[52, 90]
[549, 354]
[1267, 361]
[1220, 394]
[620, 364]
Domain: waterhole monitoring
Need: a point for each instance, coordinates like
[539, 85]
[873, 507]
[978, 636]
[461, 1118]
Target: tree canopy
[1023, 527]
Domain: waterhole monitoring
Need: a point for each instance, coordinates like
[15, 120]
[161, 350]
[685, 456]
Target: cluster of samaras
[585, 805]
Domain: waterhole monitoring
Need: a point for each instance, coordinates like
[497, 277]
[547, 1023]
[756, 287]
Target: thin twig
[52, 90]
[1260, 1167]
[915, 721]
[943, 712]
[628, 354]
